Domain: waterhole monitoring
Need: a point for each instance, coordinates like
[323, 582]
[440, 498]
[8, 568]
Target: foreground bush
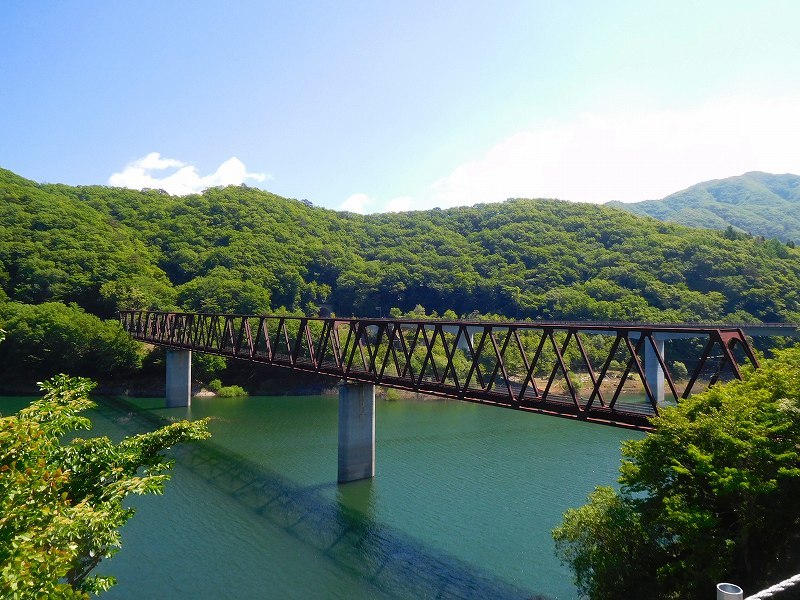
[61, 504]
[710, 495]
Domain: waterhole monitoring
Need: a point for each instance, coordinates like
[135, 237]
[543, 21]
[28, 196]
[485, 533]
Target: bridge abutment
[356, 431]
[179, 378]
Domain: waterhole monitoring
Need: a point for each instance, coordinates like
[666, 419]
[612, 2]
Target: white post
[652, 368]
[179, 378]
[356, 431]
[729, 591]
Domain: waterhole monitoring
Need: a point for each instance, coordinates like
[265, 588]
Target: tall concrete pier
[652, 368]
[179, 378]
[356, 431]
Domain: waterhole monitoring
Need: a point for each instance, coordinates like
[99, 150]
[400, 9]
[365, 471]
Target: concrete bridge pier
[356, 431]
[179, 378]
[652, 369]
[462, 342]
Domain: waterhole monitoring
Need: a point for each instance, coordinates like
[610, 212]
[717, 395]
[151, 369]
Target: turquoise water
[462, 505]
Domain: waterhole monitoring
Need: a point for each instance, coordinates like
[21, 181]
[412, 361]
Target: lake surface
[462, 505]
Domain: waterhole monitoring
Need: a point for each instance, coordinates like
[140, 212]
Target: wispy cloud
[364, 203]
[356, 203]
[399, 204]
[631, 156]
[180, 178]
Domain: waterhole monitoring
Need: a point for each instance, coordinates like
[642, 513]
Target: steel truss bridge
[583, 371]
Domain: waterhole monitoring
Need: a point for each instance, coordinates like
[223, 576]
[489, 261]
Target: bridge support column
[462, 342]
[179, 378]
[356, 431]
[652, 369]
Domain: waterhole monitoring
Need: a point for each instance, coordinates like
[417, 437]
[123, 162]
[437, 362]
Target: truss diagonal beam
[442, 358]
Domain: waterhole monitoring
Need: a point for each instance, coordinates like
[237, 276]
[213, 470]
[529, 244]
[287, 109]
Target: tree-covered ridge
[244, 250]
[551, 259]
[760, 204]
[54, 247]
[233, 248]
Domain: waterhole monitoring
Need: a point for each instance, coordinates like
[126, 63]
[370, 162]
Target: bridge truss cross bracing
[584, 371]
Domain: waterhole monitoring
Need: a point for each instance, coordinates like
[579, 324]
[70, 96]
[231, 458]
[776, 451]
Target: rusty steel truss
[585, 371]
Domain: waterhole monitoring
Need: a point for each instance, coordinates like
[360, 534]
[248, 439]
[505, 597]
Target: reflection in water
[343, 529]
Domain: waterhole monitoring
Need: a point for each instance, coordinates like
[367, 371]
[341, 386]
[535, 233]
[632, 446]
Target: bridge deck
[583, 371]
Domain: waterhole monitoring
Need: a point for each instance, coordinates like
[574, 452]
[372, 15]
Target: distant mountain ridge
[761, 204]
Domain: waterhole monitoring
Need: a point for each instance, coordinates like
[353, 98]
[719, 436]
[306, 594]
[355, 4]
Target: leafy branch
[61, 504]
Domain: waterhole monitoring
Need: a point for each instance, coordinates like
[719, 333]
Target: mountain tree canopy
[238, 249]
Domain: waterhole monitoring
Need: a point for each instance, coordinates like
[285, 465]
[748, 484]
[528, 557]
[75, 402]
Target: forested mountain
[68, 253]
[242, 249]
[760, 204]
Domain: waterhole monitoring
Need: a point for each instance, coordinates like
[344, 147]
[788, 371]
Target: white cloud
[184, 179]
[399, 204]
[153, 161]
[356, 203]
[631, 156]
[363, 203]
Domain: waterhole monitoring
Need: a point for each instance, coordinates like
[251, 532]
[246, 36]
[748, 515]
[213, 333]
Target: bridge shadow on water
[341, 529]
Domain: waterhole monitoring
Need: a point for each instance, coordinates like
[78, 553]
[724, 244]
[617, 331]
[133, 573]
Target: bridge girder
[521, 365]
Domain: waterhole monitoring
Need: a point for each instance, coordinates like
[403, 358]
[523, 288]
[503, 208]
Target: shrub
[232, 391]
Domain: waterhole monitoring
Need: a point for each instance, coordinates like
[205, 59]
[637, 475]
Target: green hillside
[242, 249]
[760, 204]
[70, 256]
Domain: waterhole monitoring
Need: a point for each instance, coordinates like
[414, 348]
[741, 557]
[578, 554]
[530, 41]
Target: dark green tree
[222, 291]
[49, 338]
[710, 495]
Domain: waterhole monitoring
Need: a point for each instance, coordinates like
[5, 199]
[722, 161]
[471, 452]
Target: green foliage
[49, 338]
[61, 504]
[231, 391]
[604, 544]
[679, 371]
[54, 246]
[242, 250]
[207, 367]
[708, 496]
[138, 292]
[221, 292]
[392, 395]
[753, 204]
[558, 260]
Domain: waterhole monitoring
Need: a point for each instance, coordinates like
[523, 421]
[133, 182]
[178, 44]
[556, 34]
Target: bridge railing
[610, 373]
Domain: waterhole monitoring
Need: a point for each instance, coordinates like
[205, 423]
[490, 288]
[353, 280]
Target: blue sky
[373, 106]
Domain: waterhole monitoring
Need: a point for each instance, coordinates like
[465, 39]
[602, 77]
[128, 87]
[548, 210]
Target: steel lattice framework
[576, 370]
